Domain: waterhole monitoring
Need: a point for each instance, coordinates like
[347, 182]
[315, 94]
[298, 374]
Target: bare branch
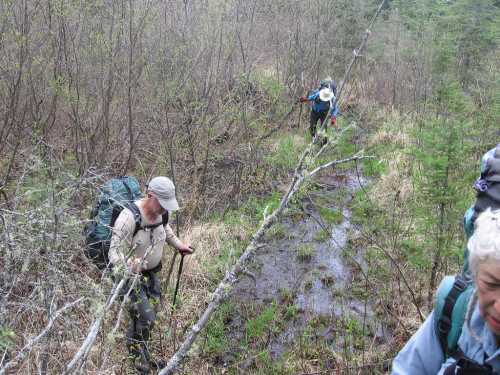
[27, 348]
[337, 162]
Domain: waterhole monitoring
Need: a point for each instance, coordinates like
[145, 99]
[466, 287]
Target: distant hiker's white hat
[164, 189]
[326, 95]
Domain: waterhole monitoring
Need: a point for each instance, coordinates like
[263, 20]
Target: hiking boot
[156, 364]
[142, 365]
[140, 361]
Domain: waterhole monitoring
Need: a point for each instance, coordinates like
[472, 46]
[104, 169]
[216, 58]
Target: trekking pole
[172, 261]
[178, 280]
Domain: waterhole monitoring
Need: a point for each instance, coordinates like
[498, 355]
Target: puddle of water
[314, 282]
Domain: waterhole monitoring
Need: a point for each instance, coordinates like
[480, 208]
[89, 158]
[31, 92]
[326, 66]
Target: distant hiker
[323, 103]
[328, 83]
[140, 250]
[472, 341]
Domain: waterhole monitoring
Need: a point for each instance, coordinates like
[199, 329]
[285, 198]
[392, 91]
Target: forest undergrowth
[93, 90]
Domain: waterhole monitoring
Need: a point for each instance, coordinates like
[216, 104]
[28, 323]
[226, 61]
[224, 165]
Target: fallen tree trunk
[226, 285]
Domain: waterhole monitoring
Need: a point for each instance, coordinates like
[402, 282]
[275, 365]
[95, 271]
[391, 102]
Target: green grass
[291, 312]
[374, 167]
[322, 235]
[7, 338]
[266, 365]
[253, 210]
[286, 156]
[331, 215]
[277, 231]
[305, 252]
[258, 326]
[216, 331]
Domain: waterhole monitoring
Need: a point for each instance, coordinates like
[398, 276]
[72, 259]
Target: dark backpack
[115, 195]
[487, 188]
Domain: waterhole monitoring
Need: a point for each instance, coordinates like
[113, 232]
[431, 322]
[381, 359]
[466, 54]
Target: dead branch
[231, 277]
[27, 348]
[337, 162]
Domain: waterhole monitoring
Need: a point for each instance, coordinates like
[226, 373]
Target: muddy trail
[304, 287]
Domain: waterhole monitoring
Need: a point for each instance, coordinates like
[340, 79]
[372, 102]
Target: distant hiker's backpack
[487, 188]
[116, 194]
[452, 300]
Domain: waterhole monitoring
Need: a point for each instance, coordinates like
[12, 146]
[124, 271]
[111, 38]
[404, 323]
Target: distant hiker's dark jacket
[320, 106]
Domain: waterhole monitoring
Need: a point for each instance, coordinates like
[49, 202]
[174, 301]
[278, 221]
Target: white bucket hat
[164, 190]
[326, 95]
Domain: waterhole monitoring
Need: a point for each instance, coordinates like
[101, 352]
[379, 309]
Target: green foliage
[266, 365]
[277, 231]
[7, 337]
[217, 329]
[305, 252]
[346, 145]
[255, 207]
[258, 326]
[286, 156]
[331, 215]
[291, 312]
[230, 251]
[415, 254]
[322, 235]
[366, 212]
[271, 86]
[374, 167]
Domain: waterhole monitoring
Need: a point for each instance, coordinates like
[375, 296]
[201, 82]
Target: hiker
[328, 83]
[141, 254]
[477, 350]
[487, 188]
[324, 102]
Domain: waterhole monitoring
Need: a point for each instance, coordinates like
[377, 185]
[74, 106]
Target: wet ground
[305, 266]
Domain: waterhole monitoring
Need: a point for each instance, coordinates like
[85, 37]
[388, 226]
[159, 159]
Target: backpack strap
[137, 216]
[138, 219]
[466, 366]
[452, 299]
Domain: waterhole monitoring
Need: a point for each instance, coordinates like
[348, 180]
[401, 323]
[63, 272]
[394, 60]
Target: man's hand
[333, 120]
[303, 99]
[134, 265]
[186, 249]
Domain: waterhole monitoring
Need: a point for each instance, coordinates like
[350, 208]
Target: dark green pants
[144, 299]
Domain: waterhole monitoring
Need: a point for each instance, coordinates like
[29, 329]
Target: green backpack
[452, 300]
[115, 195]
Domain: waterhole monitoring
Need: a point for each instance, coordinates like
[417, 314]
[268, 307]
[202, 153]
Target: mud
[318, 285]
